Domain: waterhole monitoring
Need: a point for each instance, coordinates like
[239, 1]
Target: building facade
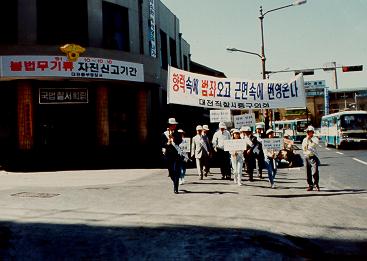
[110, 102]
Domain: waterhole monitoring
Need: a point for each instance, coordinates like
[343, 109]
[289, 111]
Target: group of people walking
[252, 155]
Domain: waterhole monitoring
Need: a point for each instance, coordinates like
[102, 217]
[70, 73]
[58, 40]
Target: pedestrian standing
[222, 156]
[210, 148]
[309, 147]
[270, 160]
[200, 151]
[237, 160]
[251, 149]
[260, 155]
[171, 140]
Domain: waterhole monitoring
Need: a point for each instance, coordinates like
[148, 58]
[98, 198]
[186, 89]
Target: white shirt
[309, 146]
[219, 137]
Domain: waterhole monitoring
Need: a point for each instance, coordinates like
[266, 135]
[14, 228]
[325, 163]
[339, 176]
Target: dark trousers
[312, 170]
[174, 170]
[260, 162]
[224, 163]
[250, 165]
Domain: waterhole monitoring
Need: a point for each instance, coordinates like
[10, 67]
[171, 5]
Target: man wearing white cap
[218, 146]
[199, 150]
[171, 139]
[309, 147]
[208, 144]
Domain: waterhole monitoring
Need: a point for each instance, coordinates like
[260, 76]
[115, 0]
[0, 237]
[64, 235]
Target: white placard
[200, 90]
[273, 143]
[186, 145]
[220, 116]
[244, 120]
[237, 144]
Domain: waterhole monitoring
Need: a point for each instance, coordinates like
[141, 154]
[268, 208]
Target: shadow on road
[37, 241]
[322, 193]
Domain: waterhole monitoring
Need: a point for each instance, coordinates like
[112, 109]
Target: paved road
[134, 215]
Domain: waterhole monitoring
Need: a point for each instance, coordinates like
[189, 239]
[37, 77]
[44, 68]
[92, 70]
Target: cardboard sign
[233, 145]
[220, 116]
[244, 120]
[273, 144]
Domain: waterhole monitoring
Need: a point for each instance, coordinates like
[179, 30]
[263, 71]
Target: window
[115, 27]
[9, 22]
[62, 23]
[164, 57]
[173, 52]
[186, 63]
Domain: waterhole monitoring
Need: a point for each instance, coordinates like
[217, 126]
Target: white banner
[244, 120]
[232, 145]
[220, 116]
[185, 145]
[59, 66]
[206, 91]
[273, 143]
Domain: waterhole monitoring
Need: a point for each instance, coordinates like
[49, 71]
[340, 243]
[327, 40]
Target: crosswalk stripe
[360, 161]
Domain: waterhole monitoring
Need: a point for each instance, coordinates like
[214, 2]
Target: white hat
[260, 125]
[222, 125]
[235, 131]
[246, 128]
[310, 128]
[199, 127]
[172, 121]
[205, 127]
[269, 131]
[180, 131]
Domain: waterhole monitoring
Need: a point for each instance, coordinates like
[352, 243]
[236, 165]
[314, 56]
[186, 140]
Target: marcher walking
[184, 158]
[260, 156]
[218, 146]
[171, 140]
[309, 147]
[200, 151]
[237, 160]
[252, 149]
[270, 160]
[206, 139]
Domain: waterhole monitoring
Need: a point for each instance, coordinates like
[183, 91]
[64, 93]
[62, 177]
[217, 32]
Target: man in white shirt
[309, 147]
[218, 146]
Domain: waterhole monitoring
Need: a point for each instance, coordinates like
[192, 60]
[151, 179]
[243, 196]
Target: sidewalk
[134, 213]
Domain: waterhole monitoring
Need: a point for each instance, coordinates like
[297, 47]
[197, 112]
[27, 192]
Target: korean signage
[59, 66]
[62, 95]
[244, 120]
[233, 145]
[220, 115]
[206, 91]
[315, 84]
[152, 31]
[273, 143]
[185, 145]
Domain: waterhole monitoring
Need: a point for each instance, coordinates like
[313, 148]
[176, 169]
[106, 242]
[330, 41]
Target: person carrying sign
[218, 146]
[260, 156]
[199, 150]
[208, 143]
[171, 140]
[309, 147]
[253, 148]
[237, 160]
[270, 160]
[184, 159]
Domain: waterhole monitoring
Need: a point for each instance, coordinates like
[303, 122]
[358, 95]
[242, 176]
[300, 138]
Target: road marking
[327, 148]
[298, 169]
[341, 153]
[360, 161]
[320, 146]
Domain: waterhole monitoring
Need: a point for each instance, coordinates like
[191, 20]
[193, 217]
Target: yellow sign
[72, 51]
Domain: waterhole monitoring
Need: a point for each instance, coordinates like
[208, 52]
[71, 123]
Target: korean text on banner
[273, 144]
[220, 115]
[193, 89]
[244, 120]
[233, 145]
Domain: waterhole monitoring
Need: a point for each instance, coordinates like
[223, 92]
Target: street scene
[183, 130]
[120, 214]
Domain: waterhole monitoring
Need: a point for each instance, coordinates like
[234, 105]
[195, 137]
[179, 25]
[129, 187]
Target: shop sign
[60, 66]
[63, 95]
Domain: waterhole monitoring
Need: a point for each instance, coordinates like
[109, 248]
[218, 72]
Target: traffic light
[353, 68]
[305, 72]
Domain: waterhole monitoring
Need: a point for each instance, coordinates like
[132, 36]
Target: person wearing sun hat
[309, 148]
[199, 150]
[222, 156]
[270, 160]
[237, 159]
[171, 140]
[260, 156]
[210, 148]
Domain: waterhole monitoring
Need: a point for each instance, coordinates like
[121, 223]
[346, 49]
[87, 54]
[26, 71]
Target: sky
[307, 36]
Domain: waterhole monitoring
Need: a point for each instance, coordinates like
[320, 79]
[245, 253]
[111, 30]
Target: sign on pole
[220, 116]
[194, 89]
[244, 120]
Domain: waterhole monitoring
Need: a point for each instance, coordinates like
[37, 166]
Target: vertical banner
[194, 89]
[152, 31]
